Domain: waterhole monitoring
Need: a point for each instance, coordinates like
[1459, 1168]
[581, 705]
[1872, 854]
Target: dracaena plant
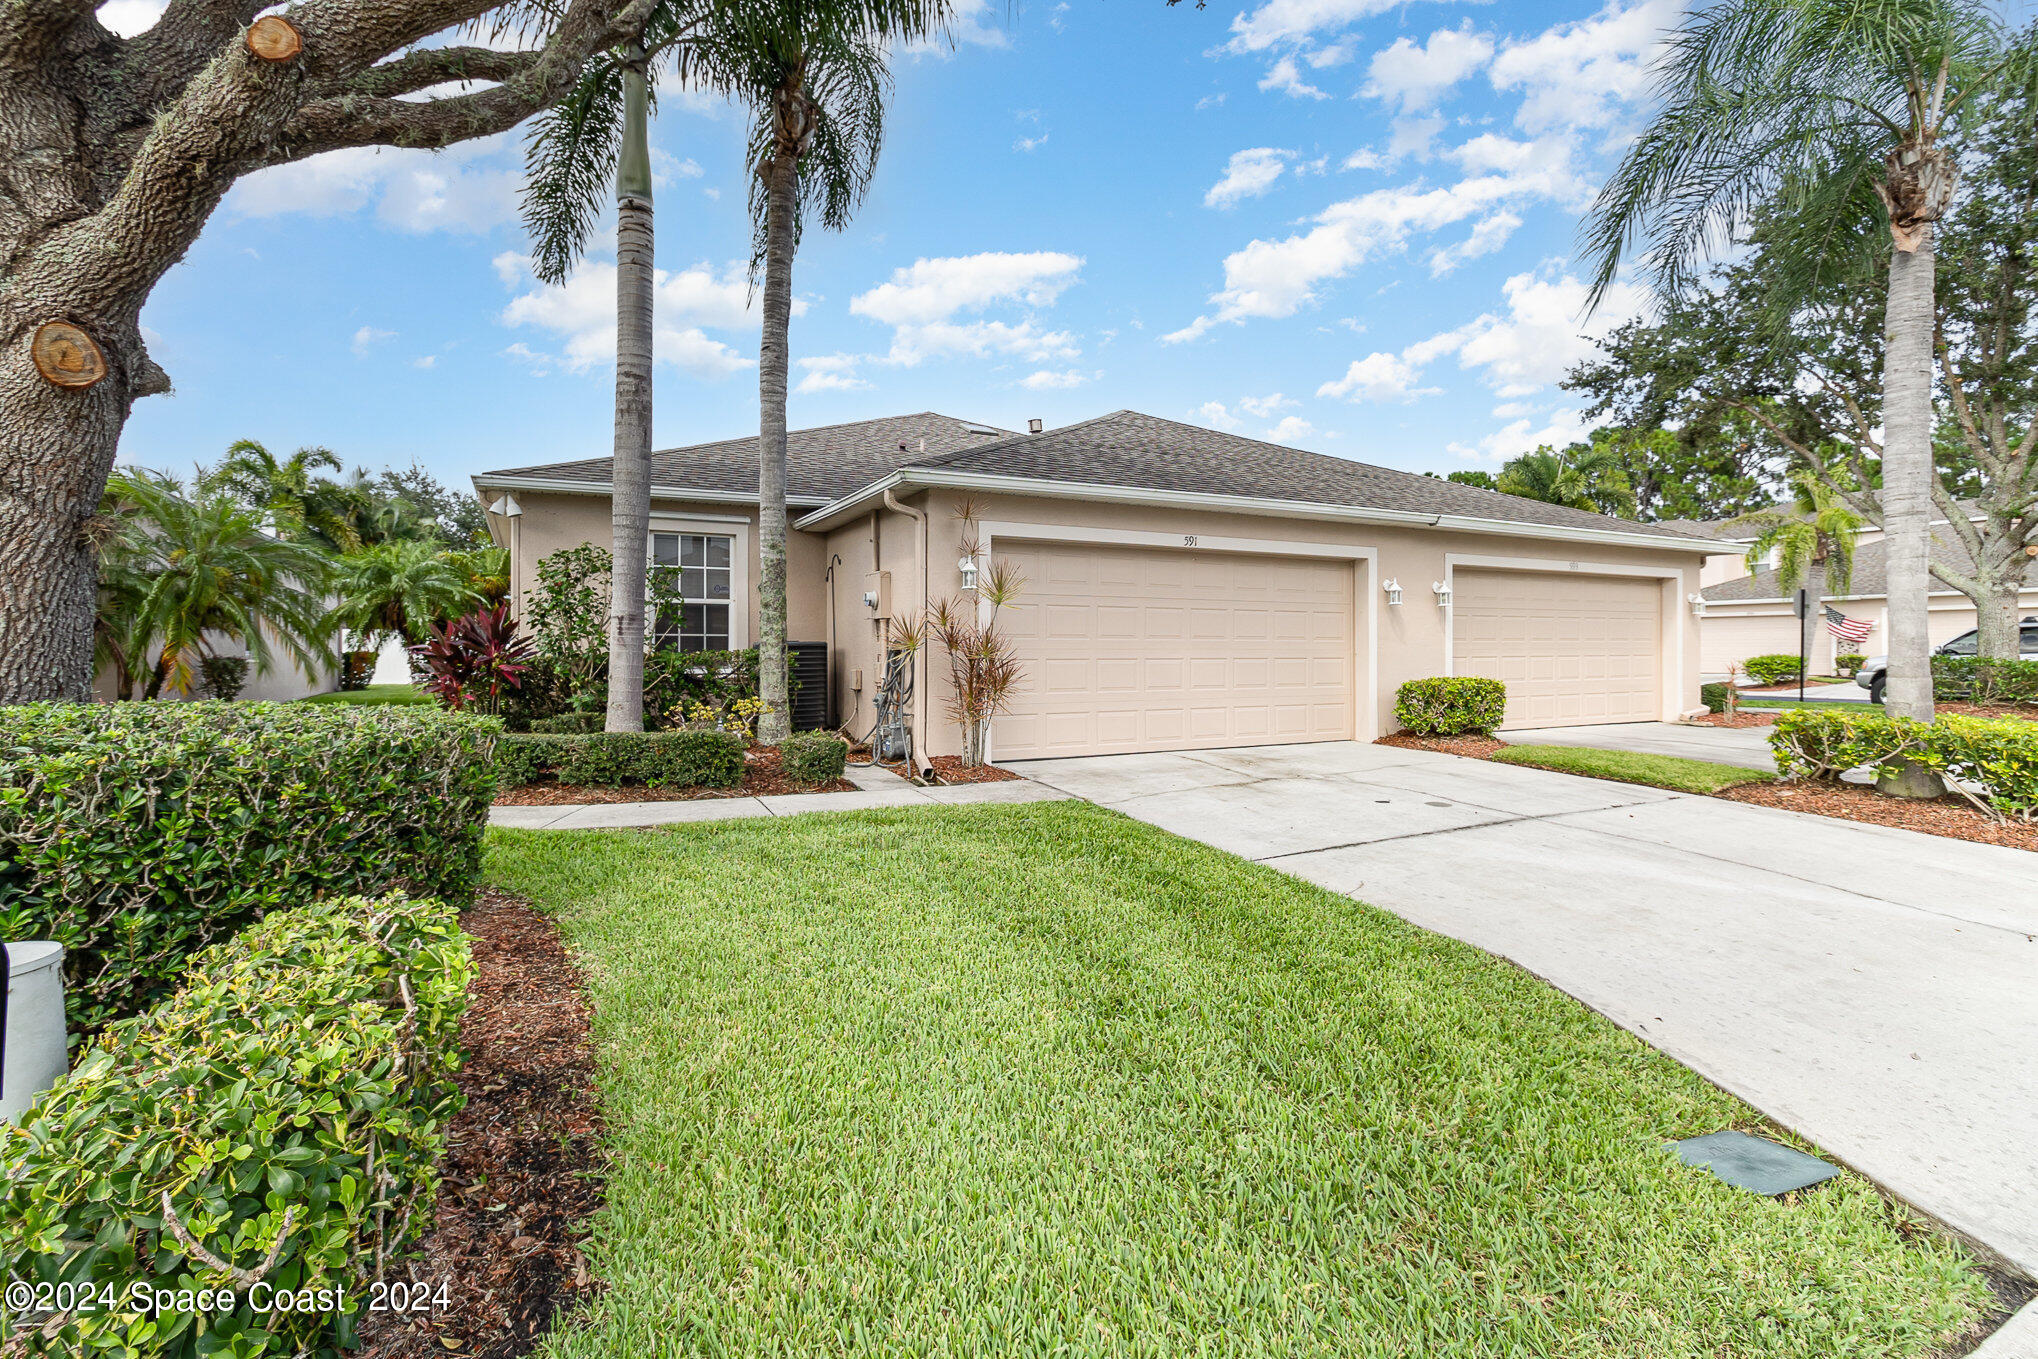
[477, 660]
[983, 672]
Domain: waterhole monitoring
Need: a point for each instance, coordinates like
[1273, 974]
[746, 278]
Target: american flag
[1848, 630]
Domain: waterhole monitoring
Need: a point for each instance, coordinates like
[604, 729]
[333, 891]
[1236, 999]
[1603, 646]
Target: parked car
[1871, 675]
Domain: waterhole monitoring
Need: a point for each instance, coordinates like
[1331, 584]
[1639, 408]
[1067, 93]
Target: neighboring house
[1749, 615]
[1184, 588]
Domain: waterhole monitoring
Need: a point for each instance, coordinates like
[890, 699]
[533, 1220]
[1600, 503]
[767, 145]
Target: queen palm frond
[570, 167]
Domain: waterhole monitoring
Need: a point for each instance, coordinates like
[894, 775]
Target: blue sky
[1332, 223]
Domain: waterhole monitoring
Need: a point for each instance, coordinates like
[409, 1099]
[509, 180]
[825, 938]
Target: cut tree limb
[66, 355]
[274, 38]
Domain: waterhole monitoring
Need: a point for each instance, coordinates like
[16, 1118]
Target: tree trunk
[1907, 472]
[1999, 634]
[773, 361]
[1814, 614]
[630, 494]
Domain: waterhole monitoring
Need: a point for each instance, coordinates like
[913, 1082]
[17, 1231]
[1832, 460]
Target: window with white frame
[699, 568]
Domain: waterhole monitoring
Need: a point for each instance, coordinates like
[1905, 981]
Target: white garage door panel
[1127, 649]
[1571, 649]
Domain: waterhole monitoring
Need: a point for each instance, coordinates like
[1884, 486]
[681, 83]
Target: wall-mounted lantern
[968, 567]
[1393, 589]
[1443, 593]
[1697, 602]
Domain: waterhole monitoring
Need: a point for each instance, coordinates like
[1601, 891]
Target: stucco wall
[1734, 632]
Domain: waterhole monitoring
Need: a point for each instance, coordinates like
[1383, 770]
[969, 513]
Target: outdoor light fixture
[1697, 605]
[1393, 589]
[968, 567]
[1443, 593]
[507, 507]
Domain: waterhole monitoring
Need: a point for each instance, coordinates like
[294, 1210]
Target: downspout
[921, 764]
[829, 706]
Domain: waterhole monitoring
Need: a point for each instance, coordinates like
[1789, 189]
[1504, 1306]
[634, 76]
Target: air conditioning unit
[34, 1058]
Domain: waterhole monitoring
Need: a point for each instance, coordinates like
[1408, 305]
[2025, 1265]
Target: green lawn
[1042, 1080]
[1626, 766]
[375, 693]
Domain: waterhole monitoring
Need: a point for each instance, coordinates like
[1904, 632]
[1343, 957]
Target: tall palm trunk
[630, 499]
[1907, 470]
[773, 358]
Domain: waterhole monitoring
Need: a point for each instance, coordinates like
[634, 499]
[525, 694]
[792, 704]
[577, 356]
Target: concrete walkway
[1871, 988]
[1747, 747]
[874, 788]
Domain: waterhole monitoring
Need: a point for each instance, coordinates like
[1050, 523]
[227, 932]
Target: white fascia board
[566, 486]
[833, 513]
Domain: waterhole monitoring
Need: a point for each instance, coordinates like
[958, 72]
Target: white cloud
[935, 289]
[667, 169]
[1290, 429]
[1365, 158]
[539, 364]
[1057, 18]
[1276, 278]
[973, 23]
[1545, 332]
[582, 312]
[1264, 407]
[1285, 76]
[1282, 22]
[1380, 378]
[831, 373]
[425, 361]
[980, 339]
[367, 337]
[1209, 101]
[1414, 74]
[1248, 174]
[1413, 136]
[457, 189]
[126, 18]
[1585, 74]
[1048, 379]
[1521, 436]
[1214, 414]
[1030, 143]
[1488, 235]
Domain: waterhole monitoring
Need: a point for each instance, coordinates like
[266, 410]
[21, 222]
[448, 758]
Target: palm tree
[1583, 477]
[1813, 537]
[190, 566]
[296, 500]
[1843, 116]
[815, 77]
[399, 589]
[600, 131]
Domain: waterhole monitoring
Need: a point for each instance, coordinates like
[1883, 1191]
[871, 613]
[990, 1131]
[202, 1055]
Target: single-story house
[1750, 614]
[1184, 588]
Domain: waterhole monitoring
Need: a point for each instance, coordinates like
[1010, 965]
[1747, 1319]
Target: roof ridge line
[975, 449]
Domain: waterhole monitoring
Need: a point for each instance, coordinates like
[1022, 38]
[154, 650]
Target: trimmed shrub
[526, 759]
[813, 757]
[1451, 706]
[1849, 662]
[671, 759]
[1773, 668]
[135, 834]
[568, 724]
[1980, 679]
[291, 1101]
[1992, 762]
[1714, 696]
[225, 676]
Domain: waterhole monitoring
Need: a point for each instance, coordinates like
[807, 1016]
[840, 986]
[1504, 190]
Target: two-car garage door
[1573, 649]
[1137, 649]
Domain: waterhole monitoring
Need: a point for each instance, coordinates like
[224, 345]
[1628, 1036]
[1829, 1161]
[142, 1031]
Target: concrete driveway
[1874, 989]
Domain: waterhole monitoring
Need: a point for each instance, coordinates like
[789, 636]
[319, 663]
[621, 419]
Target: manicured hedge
[303, 1075]
[1451, 706]
[1714, 696]
[1996, 758]
[671, 759]
[1981, 680]
[813, 757]
[1773, 668]
[137, 833]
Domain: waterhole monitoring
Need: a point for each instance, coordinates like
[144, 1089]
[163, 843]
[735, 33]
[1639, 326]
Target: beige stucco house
[1185, 588]
[1750, 613]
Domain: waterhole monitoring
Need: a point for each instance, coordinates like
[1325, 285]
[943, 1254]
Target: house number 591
[1188, 540]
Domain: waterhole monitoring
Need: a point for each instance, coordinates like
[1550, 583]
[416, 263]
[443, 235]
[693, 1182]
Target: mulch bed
[2026, 712]
[762, 777]
[1740, 719]
[951, 769]
[523, 1167]
[1952, 817]
[1474, 747]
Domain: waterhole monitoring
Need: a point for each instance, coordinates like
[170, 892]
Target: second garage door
[1571, 649]
[1131, 649]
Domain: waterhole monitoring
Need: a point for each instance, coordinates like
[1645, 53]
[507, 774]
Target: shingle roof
[1122, 449]
[1126, 448]
[1705, 528]
[1869, 579]
[822, 464]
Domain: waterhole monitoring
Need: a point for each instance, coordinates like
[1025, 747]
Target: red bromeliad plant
[475, 660]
